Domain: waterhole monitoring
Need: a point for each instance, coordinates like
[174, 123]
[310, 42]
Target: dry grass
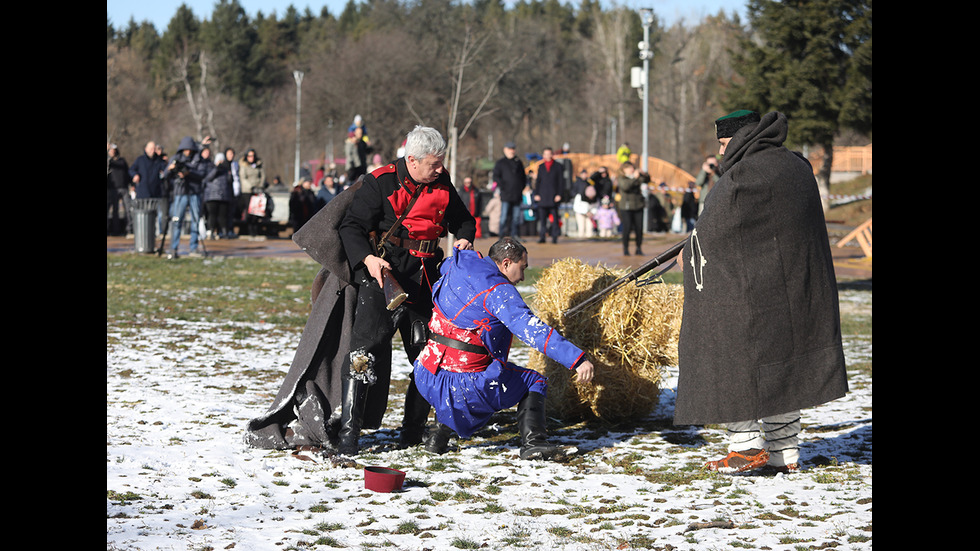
[630, 336]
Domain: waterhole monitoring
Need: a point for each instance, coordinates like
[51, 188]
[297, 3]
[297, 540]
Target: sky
[159, 12]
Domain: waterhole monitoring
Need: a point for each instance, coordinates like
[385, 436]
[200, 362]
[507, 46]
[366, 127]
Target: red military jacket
[385, 194]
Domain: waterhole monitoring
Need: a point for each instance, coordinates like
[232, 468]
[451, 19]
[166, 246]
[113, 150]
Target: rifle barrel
[670, 253]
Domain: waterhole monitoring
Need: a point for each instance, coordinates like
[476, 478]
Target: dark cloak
[311, 390]
[760, 334]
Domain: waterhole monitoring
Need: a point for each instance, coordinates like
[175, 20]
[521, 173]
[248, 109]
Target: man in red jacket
[395, 222]
[547, 195]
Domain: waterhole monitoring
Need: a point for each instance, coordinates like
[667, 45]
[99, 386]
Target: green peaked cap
[726, 126]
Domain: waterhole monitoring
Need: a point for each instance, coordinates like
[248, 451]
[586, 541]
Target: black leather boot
[531, 424]
[351, 415]
[416, 415]
[438, 439]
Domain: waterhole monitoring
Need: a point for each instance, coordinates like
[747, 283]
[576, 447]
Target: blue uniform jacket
[474, 302]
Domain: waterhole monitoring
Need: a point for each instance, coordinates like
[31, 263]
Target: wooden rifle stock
[394, 294]
[670, 253]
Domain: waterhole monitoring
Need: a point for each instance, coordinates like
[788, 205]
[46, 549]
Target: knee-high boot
[438, 439]
[351, 415]
[532, 426]
[416, 416]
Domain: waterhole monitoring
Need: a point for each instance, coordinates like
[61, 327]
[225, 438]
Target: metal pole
[298, 76]
[646, 53]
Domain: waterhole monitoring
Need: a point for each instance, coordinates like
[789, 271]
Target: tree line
[539, 73]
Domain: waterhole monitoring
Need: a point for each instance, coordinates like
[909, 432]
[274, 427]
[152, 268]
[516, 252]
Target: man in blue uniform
[463, 370]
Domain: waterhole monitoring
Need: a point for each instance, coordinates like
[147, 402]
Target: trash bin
[144, 224]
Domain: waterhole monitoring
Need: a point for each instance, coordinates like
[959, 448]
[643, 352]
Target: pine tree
[810, 60]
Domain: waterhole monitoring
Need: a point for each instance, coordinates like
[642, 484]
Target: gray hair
[424, 141]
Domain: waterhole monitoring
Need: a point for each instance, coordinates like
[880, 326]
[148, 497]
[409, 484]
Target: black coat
[150, 170]
[761, 329]
[119, 177]
[511, 179]
[549, 184]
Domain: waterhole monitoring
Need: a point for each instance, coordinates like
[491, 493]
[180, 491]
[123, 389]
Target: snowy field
[178, 476]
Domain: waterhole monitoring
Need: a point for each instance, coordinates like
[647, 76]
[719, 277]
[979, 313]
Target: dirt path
[848, 261]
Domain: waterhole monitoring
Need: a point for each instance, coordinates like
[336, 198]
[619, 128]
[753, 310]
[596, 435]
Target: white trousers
[583, 225]
[779, 435]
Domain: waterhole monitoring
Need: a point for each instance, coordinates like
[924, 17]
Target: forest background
[540, 73]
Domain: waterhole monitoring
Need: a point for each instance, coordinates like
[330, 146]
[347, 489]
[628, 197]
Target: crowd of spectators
[230, 194]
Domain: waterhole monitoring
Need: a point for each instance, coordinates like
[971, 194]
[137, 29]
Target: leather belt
[458, 345]
[426, 246]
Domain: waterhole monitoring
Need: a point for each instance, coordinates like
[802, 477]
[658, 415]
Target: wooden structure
[861, 234]
[853, 159]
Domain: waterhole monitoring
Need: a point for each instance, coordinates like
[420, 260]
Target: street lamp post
[646, 53]
[298, 76]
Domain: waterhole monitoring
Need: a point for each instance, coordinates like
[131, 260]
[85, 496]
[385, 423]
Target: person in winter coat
[689, 206]
[474, 202]
[548, 189]
[146, 174]
[251, 173]
[260, 209]
[117, 191]
[631, 201]
[328, 190]
[602, 184]
[606, 219]
[583, 194]
[356, 150]
[510, 178]
[185, 176]
[760, 337]
[219, 195]
[302, 204]
[492, 213]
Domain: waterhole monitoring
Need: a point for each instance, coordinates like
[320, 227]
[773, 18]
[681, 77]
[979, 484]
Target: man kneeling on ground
[463, 370]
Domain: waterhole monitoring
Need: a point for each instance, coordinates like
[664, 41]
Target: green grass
[145, 289]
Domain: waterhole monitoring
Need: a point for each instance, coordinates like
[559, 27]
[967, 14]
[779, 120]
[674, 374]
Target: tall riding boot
[438, 439]
[351, 415]
[416, 415]
[531, 424]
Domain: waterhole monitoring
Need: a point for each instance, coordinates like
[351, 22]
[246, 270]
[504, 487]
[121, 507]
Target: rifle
[394, 294]
[670, 253]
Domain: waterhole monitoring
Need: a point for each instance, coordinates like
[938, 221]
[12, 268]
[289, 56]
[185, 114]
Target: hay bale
[630, 336]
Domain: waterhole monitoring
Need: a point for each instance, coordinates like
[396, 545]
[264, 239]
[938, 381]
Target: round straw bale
[630, 336]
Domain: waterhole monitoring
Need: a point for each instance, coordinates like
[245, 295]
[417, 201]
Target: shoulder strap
[398, 222]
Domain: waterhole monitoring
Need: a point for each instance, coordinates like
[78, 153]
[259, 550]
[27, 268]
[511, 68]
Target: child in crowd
[606, 219]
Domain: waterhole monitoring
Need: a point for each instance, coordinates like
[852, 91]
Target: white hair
[424, 141]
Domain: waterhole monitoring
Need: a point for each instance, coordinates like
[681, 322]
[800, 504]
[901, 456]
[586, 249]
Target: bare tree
[199, 104]
[690, 68]
[609, 58]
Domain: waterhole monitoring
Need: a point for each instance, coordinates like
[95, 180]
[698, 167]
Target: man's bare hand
[374, 265]
[463, 244]
[584, 372]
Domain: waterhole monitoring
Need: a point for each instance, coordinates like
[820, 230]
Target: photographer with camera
[185, 176]
[706, 179]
